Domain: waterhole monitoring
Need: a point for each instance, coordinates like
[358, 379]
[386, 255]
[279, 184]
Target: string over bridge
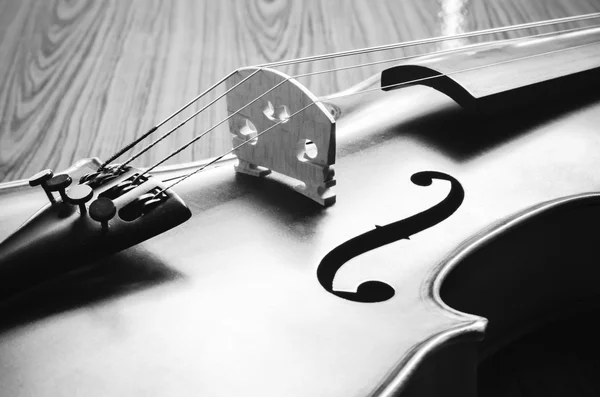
[301, 147]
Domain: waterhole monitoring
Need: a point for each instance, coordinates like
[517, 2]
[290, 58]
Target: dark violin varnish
[558, 360]
[83, 78]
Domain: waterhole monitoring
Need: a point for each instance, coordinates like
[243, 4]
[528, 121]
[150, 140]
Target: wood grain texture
[83, 78]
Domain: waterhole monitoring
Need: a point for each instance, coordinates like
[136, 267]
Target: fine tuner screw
[79, 195]
[102, 210]
[41, 179]
[58, 184]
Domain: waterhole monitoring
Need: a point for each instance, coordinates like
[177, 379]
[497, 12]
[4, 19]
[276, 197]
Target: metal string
[197, 138]
[157, 126]
[438, 39]
[172, 130]
[342, 95]
[349, 53]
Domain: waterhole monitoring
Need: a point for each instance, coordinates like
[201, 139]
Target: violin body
[454, 232]
[229, 302]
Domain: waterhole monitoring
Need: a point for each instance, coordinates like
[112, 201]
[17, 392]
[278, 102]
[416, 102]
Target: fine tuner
[102, 210]
[101, 214]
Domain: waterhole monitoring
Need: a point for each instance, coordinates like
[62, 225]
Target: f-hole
[374, 290]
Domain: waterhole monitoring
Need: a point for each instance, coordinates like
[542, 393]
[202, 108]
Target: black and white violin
[377, 241]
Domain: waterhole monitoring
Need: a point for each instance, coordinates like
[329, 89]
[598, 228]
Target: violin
[378, 241]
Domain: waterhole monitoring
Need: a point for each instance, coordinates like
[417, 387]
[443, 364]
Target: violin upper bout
[299, 141]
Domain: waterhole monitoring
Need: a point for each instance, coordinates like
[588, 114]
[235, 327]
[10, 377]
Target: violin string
[432, 40]
[157, 126]
[151, 145]
[181, 124]
[200, 136]
[342, 95]
[397, 85]
[351, 53]
[443, 52]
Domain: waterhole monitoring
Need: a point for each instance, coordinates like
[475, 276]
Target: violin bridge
[300, 146]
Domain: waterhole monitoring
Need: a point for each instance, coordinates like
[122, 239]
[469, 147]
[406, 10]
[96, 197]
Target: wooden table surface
[81, 78]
